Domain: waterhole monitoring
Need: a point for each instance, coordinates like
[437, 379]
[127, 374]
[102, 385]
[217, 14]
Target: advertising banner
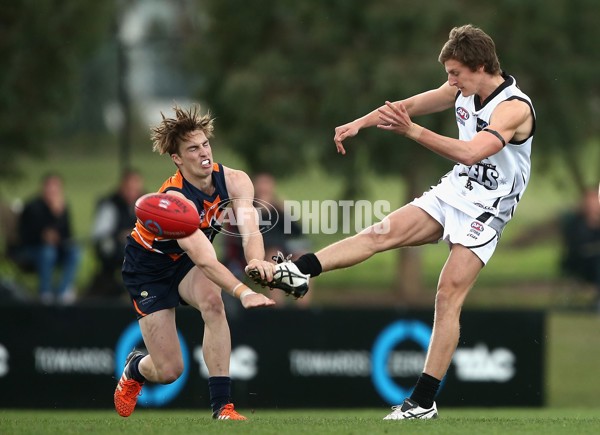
[71, 357]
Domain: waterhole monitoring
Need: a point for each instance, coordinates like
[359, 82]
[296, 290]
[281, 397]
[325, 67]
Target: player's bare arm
[513, 120]
[202, 253]
[509, 118]
[241, 190]
[432, 101]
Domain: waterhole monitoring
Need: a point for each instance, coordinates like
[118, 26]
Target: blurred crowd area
[87, 269]
[42, 258]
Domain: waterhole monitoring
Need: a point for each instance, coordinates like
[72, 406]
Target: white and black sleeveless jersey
[490, 189]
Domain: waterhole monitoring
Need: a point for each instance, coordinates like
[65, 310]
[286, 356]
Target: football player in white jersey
[468, 208]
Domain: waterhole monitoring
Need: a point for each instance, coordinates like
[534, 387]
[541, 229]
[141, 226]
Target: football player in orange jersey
[161, 274]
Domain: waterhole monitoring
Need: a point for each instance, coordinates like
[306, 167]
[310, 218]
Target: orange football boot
[128, 389]
[228, 413]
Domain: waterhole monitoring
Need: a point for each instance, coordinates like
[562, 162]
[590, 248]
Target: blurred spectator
[46, 242]
[581, 242]
[275, 237]
[10, 289]
[113, 221]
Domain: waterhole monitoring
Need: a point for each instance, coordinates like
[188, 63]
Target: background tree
[281, 75]
[551, 47]
[43, 44]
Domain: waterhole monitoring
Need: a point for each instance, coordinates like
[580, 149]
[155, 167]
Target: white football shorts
[459, 227]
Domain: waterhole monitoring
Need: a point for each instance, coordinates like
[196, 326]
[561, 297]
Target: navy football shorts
[152, 279]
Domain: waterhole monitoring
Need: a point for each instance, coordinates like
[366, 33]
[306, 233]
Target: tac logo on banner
[153, 395]
[383, 349]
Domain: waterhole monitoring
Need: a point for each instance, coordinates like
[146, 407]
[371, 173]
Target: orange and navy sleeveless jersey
[210, 208]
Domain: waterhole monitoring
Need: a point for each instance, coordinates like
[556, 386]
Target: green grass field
[308, 421]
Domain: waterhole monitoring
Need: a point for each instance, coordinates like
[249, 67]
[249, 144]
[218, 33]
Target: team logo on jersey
[482, 173]
[462, 115]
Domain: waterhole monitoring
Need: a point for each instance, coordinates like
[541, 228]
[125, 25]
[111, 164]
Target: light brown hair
[168, 134]
[472, 47]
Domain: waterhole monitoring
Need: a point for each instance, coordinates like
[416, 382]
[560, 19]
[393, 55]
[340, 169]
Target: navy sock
[134, 369]
[219, 388]
[309, 263]
[425, 390]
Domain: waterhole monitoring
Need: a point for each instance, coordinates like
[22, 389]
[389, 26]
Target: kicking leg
[407, 226]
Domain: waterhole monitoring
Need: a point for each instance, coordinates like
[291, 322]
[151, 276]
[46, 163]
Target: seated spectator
[275, 237]
[581, 242]
[46, 241]
[10, 288]
[114, 219]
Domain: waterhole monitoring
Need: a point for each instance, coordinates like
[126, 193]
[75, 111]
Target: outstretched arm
[424, 103]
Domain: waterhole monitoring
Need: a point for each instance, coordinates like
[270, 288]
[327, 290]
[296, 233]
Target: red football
[167, 215]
